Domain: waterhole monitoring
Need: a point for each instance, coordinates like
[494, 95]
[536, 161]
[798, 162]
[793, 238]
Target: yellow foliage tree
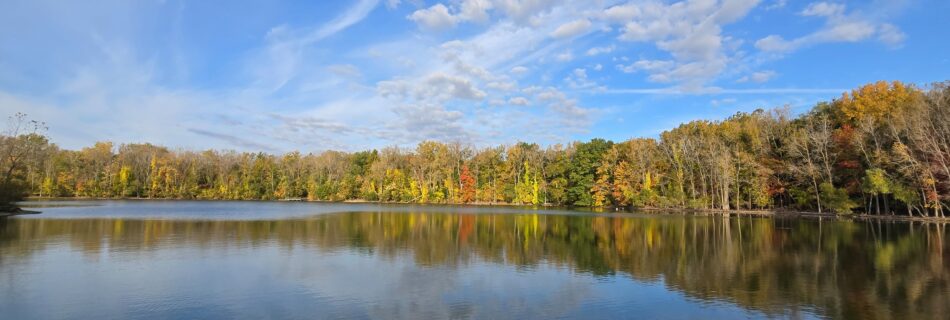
[876, 100]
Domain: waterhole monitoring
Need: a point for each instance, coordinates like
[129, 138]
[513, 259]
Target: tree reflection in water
[841, 269]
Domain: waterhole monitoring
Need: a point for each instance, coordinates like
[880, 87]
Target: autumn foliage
[883, 148]
[468, 185]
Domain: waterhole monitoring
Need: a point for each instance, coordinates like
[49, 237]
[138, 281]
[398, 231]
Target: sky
[277, 76]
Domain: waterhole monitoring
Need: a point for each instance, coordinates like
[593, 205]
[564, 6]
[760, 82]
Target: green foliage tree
[836, 198]
[583, 169]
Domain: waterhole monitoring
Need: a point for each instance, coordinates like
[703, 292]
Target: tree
[877, 184]
[837, 199]
[583, 169]
[527, 188]
[876, 101]
[468, 185]
[21, 142]
[124, 185]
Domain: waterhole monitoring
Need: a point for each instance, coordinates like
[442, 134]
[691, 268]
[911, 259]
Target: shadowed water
[252, 260]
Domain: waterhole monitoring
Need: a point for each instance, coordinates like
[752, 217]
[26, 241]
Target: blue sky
[314, 75]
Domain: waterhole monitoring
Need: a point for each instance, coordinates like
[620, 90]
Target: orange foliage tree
[468, 185]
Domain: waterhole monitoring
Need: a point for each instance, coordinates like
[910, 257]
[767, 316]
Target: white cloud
[600, 50]
[580, 73]
[440, 17]
[418, 122]
[890, 35]
[519, 70]
[622, 13]
[653, 66]
[394, 88]
[839, 27]
[523, 11]
[436, 17]
[489, 60]
[475, 10]
[570, 114]
[823, 9]
[851, 31]
[773, 43]
[504, 42]
[762, 76]
[689, 31]
[578, 80]
[758, 77]
[292, 94]
[435, 87]
[564, 56]
[506, 53]
[502, 85]
[518, 101]
[572, 29]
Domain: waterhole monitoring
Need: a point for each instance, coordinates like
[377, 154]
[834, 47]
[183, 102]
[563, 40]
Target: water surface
[253, 260]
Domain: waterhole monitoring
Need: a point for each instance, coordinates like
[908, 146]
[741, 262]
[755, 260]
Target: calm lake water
[256, 260]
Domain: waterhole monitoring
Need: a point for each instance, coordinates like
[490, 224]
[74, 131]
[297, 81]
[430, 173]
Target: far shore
[778, 213]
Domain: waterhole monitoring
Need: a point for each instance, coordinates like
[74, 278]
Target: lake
[299, 260]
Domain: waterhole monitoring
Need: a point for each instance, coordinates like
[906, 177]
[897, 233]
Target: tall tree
[19, 145]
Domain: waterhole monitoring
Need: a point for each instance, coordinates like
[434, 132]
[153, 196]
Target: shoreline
[646, 210]
[799, 214]
[17, 212]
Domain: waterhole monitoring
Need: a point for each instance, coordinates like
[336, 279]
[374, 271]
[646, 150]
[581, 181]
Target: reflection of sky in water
[274, 282]
[252, 260]
[246, 210]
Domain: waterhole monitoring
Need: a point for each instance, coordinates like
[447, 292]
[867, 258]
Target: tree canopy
[883, 148]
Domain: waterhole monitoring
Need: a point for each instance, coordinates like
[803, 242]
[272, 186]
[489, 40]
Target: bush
[836, 199]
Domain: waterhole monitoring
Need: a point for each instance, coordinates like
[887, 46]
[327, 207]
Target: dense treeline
[883, 148]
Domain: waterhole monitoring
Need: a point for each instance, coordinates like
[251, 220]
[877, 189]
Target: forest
[881, 149]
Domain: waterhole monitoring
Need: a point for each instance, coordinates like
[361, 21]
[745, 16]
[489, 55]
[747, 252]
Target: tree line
[883, 148]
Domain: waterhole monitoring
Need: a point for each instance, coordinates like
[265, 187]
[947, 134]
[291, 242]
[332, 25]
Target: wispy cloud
[478, 71]
[232, 139]
[282, 58]
[840, 26]
[716, 91]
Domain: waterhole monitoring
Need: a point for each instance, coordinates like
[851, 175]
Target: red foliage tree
[468, 185]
